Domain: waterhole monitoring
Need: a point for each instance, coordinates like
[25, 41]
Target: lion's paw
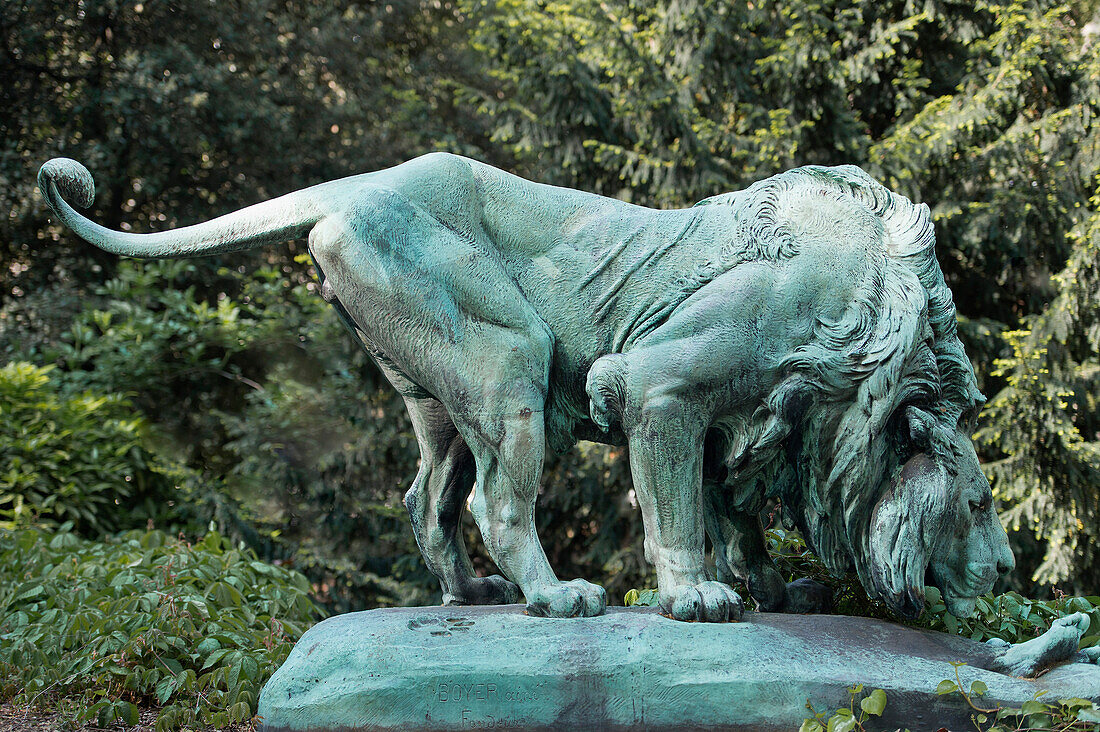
[807, 596]
[492, 590]
[576, 598]
[708, 602]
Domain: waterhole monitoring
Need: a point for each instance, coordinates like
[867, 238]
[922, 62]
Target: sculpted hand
[1058, 644]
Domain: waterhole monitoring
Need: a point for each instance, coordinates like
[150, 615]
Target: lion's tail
[279, 219]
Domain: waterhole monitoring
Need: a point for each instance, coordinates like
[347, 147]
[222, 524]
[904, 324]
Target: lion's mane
[825, 440]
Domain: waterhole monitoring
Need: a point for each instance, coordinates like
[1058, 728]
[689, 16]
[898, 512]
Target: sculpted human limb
[1057, 645]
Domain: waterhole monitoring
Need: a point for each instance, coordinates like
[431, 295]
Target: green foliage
[795, 561]
[641, 598]
[1063, 715]
[98, 628]
[153, 337]
[1048, 466]
[76, 458]
[1036, 715]
[1011, 617]
[847, 719]
[72, 456]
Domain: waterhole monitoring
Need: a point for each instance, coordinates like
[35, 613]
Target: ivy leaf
[1089, 715]
[841, 721]
[947, 687]
[875, 703]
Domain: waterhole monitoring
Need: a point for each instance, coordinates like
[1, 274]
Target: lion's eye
[981, 505]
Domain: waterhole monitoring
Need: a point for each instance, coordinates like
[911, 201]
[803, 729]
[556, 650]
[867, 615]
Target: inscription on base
[465, 698]
[467, 692]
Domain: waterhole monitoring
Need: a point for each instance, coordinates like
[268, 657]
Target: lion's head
[936, 523]
[866, 439]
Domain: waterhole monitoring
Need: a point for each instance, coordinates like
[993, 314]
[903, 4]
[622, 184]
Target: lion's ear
[919, 424]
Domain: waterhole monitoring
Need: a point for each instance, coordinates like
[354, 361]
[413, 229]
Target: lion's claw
[576, 598]
[708, 602]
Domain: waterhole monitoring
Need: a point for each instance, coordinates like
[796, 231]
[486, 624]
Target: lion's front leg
[666, 455]
[740, 552]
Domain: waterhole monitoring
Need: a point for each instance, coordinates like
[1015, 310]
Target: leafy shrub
[98, 628]
[71, 458]
[795, 560]
[847, 719]
[150, 334]
[1011, 616]
[1063, 715]
[74, 456]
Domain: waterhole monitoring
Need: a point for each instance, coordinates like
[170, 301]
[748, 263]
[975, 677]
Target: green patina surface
[793, 341]
[630, 669]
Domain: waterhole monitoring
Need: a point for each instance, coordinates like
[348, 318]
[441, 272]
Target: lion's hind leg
[436, 299]
[435, 503]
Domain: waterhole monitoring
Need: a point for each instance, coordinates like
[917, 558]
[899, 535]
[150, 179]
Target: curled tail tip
[73, 181]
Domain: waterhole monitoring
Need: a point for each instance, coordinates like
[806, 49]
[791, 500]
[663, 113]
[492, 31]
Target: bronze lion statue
[794, 341]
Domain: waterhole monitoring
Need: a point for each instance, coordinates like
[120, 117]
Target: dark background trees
[253, 399]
